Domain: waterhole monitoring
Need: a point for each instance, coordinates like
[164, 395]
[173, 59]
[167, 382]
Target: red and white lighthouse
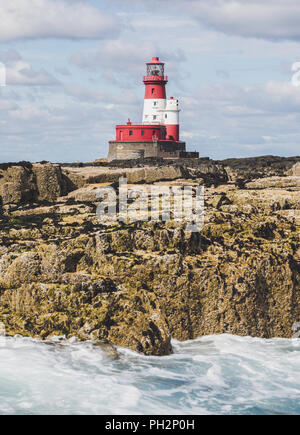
[158, 134]
[157, 109]
[155, 92]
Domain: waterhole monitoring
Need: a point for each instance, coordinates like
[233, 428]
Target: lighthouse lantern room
[158, 134]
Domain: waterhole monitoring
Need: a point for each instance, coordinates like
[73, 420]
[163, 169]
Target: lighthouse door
[121, 135]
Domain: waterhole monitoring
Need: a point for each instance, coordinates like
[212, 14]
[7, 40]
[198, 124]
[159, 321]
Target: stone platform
[119, 150]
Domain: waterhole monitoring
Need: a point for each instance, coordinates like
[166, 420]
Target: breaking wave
[221, 374]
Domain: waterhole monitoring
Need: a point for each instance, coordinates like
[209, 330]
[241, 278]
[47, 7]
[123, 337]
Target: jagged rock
[25, 268]
[295, 170]
[81, 177]
[275, 182]
[266, 200]
[108, 349]
[21, 184]
[130, 318]
[138, 284]
[98, 175]
[241, 171]
[296, 329]
[16, 185]
[50, 184]
[88, 193]
[296, 326]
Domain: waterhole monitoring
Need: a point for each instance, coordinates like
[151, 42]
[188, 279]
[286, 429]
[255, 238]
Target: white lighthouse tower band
[160, 111]
[158, 134]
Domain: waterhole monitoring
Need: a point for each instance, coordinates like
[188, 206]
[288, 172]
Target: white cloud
[272, 97]
[6, 105]
[63, 71]
[241, 121]
[187, 134]
[100, 96]
[117, 55]
[37, 114]
[20, 72]
[122, 64]
[268, 19]
[21, 19]
[267, 138]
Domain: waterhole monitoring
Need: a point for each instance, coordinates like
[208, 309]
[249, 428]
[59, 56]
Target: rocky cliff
[62, 272]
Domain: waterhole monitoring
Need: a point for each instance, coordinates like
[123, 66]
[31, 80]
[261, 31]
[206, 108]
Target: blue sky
[74, 70]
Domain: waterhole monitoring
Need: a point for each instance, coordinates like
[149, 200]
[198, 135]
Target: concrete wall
[170, 147]
[137, 150]
[131, 150]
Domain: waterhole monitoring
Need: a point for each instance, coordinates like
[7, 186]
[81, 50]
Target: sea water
[221, 374]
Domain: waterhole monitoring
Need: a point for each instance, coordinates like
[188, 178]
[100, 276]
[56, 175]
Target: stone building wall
[136, 150]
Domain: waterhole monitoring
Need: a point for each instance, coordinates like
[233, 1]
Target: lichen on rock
[138, 285]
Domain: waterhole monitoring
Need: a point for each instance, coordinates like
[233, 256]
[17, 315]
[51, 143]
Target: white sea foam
[211, 375]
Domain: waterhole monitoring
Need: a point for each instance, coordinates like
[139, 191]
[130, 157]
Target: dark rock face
[245, 170]
[16, 184]
[50, 183]
[25, 183]
[62, 272]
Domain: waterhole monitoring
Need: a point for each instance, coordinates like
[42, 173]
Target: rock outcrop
[63, 272]
[17, 185]
[49, 181]
[275, 183]
[26, 183]
[241, 171]
[208, 170]
[295, 170]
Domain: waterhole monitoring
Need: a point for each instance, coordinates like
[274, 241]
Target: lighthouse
[157, 109]
[158, 133]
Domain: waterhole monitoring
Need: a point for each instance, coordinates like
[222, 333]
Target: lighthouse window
[155, 103]
[130, 133]
[154, 116]
[155, 69]
[152, 90]
[142, 133]
[166, 116]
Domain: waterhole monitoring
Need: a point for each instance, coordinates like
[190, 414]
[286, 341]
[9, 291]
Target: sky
[74, 70]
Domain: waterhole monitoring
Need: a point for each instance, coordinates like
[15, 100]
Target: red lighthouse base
[139, 141]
